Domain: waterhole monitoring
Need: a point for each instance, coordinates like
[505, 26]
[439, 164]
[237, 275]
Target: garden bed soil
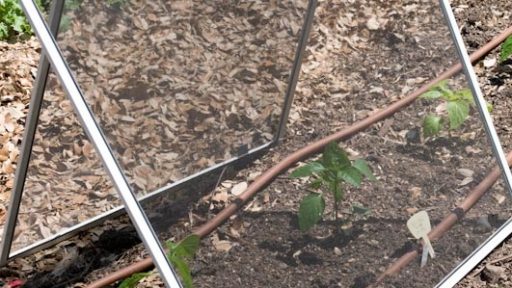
[349, 71]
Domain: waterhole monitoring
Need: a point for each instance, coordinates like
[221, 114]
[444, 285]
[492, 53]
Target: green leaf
[187, 247]
[457, 112]
[363, 167]
[310, 211]
[307, 170]
[489, 106]
[184, 271]
[432, 95]
[328, 176]
[334, 157]
[431, 125]
[443, 87]
[132, 281]
[465, 94]
[39, 4]
[65, 23]
[115, 3]
[71, 5]
[351, 175]
[336, 189]
[12, 20]
[171, 246]
[506, 49]
[316, 184]
[338, 193]
[4, 31]
[360, 209]
[18, 24]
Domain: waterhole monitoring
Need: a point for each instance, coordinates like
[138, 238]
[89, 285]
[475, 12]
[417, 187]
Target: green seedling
[329, 174]
[133, 280]
[506, 49]
[179, 254]
[458, 104]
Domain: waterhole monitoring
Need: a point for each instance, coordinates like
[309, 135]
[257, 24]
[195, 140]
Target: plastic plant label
[419, 225]
[424, 257]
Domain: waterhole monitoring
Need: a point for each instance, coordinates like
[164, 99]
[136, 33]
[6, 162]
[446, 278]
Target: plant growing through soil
[133, 280]
[506, 49]
[328, 174]
[458, 103]
[179, 254]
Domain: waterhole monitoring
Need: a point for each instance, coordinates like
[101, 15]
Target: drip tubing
[448, 222]
[268, 176]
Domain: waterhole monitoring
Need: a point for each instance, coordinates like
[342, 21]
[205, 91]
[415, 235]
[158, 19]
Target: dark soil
[271, 252]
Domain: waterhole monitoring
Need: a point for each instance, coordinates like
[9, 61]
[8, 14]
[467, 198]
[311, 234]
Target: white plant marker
[419, 225]
[424, 257]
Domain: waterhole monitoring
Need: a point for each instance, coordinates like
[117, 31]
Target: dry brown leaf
[415, 192]
[221, 196]
[239, 188]
[221, 245]
[499, 198]
[466, 172]
[466, 181]
[411, 210]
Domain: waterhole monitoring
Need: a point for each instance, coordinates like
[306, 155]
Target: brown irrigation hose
[269, 175]
[450, 220]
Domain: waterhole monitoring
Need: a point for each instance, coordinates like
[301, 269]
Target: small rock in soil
[493, 274]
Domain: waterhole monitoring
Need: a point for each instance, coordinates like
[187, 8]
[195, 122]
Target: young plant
[458, 104]
[328, 174]
[12, 20]
[506, 49]
[179, 254]
[13, 24]
[133, 280]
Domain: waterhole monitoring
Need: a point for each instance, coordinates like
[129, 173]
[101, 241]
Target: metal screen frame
[51, 56]
[505, 230]
[93, 131]
[28, 138]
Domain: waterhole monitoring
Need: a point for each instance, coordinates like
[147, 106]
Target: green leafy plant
[179, 254]
[13, 24]
[329, 174]
[458, 104]
[182, 252]
[133, 280]
[506, 49]
[12, 20]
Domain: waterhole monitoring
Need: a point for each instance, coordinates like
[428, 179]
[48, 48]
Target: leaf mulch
[220, 110]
